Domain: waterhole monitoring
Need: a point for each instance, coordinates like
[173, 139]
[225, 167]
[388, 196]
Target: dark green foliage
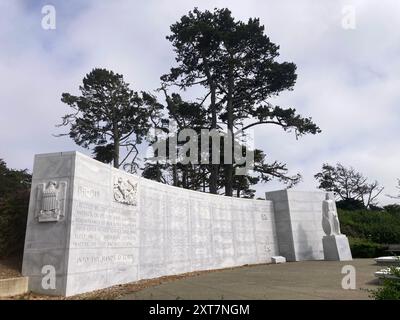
[11, 180]
[154, 172]
[105, 153]
[363, 248]
[237, 66]
[198, 176]
[375, 226]
[14, 202]
[375, 208]
[370, 231]
[393, 208]
[390, 289]
[350, 204]
[108, 115]
[242, 184]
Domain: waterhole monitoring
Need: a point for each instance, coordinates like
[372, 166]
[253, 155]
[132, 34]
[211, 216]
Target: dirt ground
[10, 267]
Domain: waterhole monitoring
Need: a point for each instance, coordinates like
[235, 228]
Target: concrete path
[294, 280]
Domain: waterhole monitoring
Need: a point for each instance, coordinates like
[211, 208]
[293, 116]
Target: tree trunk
[174, 176]
[184, 177]
[214, 168]
[204, 180]
[229, 167]
[116, 147]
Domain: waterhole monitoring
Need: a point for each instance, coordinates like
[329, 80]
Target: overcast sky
[348, 79]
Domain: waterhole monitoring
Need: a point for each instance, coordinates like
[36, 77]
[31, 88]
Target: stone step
[13, 286]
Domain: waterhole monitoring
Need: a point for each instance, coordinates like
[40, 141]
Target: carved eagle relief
[51, 201]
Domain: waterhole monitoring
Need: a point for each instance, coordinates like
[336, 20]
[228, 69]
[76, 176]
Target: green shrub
[390, 289]
[14, 202]
[376, 226]
[13, 215]
[395, 208]
[363, 248]
[350, 204]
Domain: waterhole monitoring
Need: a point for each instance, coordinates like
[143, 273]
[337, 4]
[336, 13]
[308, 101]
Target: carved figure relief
[52, 200]
[125, 191]
[330, 221]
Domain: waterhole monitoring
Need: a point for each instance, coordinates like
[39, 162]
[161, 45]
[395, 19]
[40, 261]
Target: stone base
[336, 248]
[13, 286]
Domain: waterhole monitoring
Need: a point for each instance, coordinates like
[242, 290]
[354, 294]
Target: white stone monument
[336, 245]
[91, 226]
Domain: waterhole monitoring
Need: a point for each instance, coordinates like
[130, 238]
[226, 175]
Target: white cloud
[347, 79]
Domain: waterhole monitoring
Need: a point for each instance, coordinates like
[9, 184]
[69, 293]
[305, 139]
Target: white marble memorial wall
[97, 241]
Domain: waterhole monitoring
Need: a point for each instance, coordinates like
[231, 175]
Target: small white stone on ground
[390, 260]
[278, 259]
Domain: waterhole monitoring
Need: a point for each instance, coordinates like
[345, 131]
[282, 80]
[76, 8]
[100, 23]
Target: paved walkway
[293, 280]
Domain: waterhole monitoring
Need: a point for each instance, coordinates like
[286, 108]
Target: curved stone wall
[113, 227]
[91, 226]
